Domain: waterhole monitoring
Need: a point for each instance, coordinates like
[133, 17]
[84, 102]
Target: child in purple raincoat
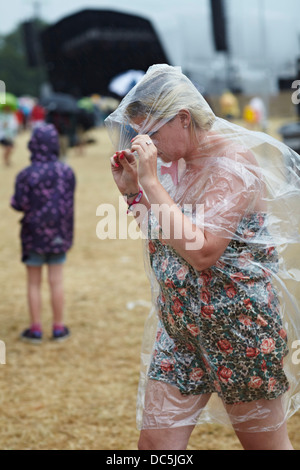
[44, 192]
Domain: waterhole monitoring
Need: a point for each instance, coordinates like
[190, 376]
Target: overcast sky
[14, 11]
[259, 30]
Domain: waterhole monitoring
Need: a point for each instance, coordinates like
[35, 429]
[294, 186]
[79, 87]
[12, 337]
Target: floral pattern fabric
[220, 330]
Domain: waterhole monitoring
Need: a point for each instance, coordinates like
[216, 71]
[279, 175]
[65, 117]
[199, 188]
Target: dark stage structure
[84, 51]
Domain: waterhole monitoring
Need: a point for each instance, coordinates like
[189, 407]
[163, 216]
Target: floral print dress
[220, 330]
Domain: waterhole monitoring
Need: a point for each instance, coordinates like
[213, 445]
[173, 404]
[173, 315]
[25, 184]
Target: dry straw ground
[80, 394]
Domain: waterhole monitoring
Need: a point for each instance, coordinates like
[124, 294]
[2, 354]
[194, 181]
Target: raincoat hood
[44, 144]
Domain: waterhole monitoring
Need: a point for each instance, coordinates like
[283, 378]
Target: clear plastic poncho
[230, 332]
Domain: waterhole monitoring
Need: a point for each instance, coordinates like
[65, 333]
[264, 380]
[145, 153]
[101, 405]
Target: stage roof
[84, 51]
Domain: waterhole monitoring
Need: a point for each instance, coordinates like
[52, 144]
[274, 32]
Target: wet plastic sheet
[229, 332]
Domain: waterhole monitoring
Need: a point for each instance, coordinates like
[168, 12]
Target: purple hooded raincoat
[44, 191]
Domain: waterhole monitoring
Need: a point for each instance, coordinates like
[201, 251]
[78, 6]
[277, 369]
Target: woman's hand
[125, 172]
[147, 152]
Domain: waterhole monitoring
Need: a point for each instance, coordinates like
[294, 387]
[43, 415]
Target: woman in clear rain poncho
[220, 204]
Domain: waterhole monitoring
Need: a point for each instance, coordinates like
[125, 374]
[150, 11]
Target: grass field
[80, 394]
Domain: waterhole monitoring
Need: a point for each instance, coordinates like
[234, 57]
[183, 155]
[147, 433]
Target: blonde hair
[163, 92]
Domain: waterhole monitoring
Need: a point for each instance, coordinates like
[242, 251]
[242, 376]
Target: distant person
[20, 116]
[37, 116]
[44, 191]
[65, 124]
[8, 132]
[85, 120]
[255, 114]
[229, 105]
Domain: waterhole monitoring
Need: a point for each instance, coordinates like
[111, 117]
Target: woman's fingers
[128, 156]
[144, 147]
[124, 160]
[114, 162]
[143, 141]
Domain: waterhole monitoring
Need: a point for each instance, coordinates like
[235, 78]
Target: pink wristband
[135, 201]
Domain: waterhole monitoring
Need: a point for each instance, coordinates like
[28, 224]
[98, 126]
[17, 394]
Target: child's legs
[271, 430]
[55, 279]
[169, 417]
[34, 278]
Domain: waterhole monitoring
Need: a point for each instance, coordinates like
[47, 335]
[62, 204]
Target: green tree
[19, 78]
